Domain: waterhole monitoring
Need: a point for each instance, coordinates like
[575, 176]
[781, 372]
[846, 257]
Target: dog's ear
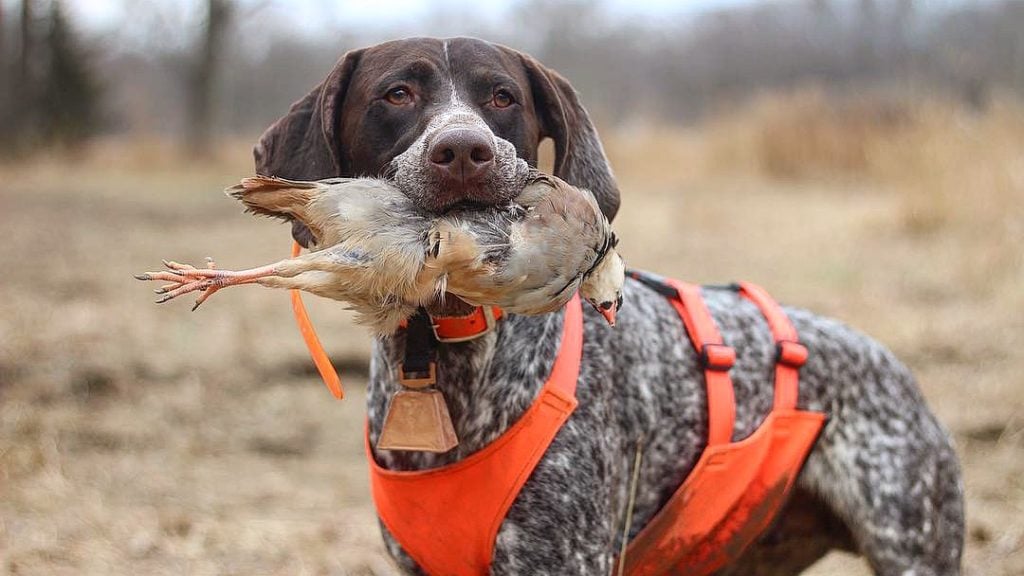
[304, 144]
[579, 156]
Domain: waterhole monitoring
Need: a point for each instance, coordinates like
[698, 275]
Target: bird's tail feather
[275, 197]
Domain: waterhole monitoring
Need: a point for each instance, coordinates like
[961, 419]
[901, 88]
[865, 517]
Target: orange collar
[452, 329]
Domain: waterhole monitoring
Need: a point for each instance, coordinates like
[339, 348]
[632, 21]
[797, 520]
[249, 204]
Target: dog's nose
[462, 155]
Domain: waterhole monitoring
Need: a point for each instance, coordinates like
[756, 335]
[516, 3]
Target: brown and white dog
[446, 119]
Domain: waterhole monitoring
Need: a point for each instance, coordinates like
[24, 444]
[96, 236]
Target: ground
[137, 438]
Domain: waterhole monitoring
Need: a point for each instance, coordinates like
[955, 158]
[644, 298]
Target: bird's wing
[562, 236]
[555, 206]
[527, 261]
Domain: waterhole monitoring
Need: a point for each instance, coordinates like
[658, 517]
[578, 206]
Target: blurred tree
[867, 42]
[226, 66]
[17, 104]
[26, 42]
[204, 75]
[5, 72]
[69, 92]
[53, 95]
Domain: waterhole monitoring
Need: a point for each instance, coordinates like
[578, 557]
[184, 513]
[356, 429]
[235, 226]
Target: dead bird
[376, 251]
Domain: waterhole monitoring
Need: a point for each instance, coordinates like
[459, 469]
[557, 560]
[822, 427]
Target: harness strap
[735, 489]
[716, 359]
[420, 347]
[790, 354]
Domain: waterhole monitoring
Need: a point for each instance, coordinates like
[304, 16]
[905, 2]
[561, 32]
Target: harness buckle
[417, 379]
[484, 313]
[717, 357]
[790, 353]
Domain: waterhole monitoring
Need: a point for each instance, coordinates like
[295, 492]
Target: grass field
[144, 439]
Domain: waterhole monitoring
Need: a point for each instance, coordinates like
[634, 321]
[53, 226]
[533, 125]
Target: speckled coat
[882, 480]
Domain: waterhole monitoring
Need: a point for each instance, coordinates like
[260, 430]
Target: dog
[446, 119]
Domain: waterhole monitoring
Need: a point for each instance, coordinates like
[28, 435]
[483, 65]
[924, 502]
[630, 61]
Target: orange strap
[316, 349]
[451, 329]
[790, 353]
[461, 328]
[716, 359]
[736, 488]
[448, 518]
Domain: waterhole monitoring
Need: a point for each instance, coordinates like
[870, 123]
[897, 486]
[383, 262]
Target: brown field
[144, 439]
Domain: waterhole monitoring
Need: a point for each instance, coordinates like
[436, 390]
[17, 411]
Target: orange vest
[736, 488]
[447, 518]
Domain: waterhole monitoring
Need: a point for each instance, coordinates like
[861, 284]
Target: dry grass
[806, 134]
[144, 439]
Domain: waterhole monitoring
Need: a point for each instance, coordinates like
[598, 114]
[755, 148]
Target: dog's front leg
[562, 522]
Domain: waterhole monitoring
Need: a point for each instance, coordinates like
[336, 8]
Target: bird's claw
[184, 278]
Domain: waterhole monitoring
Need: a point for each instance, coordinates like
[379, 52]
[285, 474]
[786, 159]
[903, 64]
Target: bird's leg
[185, 278]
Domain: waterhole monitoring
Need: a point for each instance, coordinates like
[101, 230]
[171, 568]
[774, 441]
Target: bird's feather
[279, 198]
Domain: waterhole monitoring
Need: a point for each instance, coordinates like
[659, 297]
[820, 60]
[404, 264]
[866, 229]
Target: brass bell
[417, 418]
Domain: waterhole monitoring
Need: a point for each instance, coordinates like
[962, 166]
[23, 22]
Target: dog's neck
[488, 383]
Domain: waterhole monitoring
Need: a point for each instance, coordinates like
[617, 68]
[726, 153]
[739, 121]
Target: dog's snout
[458, 160]
[462, 155]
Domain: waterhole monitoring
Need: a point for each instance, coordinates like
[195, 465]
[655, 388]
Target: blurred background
[861, 158]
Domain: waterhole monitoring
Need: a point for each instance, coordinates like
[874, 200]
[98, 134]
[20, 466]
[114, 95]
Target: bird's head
[602, 285]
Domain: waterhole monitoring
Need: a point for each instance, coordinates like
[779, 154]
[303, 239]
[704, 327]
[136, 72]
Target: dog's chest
[653, 391]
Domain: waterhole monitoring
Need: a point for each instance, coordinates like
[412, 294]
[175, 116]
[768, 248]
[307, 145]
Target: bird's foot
[185, 278]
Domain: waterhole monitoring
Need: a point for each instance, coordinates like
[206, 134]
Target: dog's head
[452, 120]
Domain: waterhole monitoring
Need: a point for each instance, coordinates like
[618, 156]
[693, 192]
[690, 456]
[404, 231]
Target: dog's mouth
[497, 190]
[465, 206]
[440, 199]
[414, 176]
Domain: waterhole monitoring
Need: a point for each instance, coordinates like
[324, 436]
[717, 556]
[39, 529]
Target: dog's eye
[502, 99]
[398, 96]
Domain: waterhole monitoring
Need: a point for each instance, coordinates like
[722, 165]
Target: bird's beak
[609, 315]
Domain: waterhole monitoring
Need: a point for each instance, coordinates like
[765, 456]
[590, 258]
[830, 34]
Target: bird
[375, 250]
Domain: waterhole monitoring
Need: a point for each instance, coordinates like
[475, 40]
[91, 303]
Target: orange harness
[736, 488]
[447, 518]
